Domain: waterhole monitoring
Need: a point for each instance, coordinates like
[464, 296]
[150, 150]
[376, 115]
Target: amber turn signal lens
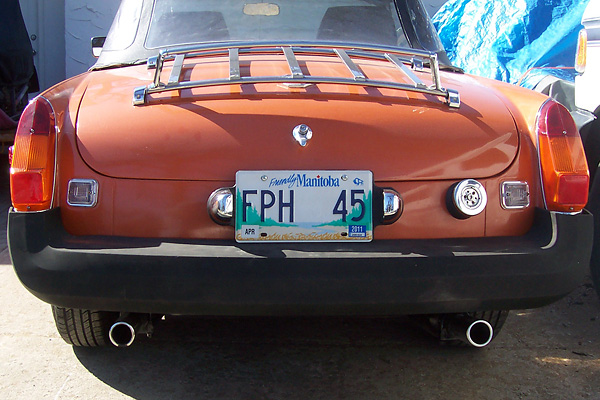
[581, 55]
[32, 167]
[565, 174]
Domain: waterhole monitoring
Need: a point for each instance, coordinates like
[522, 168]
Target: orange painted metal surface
[156, 165]
[214, 132]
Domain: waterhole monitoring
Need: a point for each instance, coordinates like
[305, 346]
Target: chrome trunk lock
[302, 133]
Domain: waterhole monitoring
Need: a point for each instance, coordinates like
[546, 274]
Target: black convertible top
[131, 39]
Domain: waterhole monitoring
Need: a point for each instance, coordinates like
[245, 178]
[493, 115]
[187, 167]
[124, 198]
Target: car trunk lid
[210, 133]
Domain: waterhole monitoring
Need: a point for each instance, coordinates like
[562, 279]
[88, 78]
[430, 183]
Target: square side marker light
[82, 193]
[515, 195]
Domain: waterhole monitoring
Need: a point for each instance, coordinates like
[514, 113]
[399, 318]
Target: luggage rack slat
[411, 75]
[346, 53]
[356, 72]
[176, 71]
[292, 62]
[234, 64]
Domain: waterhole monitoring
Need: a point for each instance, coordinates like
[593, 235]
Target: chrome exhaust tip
[450, 328]
[474, 332]
[479, 333]
[121, 334]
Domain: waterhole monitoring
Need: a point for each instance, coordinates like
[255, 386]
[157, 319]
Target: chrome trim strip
[554, 232]
[176, 71]
[345, 52]
[539, 159]
[292, 62]
[295, 254]
[234, 64]
[57, 132]
[353, 68]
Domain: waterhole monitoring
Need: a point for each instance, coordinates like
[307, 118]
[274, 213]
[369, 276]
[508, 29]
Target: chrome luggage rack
[346, 53]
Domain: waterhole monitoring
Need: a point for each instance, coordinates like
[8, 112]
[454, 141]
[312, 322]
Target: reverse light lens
[32, 166]
[515, 195]
[82, 193]
[581, 55]
[564, 168]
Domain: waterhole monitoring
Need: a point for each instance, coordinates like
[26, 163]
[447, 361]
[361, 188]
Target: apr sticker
[250, 231]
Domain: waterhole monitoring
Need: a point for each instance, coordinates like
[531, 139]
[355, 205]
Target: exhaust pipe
[474, 332]
[480, 333]
[122, 332]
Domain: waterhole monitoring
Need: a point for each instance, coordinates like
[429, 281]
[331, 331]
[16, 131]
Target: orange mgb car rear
[224, 160]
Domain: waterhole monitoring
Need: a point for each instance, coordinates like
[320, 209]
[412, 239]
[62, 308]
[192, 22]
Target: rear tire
[590, 135]
[594, 207]
[83, 328]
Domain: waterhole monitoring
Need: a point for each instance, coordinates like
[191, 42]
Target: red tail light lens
[32, 167]
[564, 168]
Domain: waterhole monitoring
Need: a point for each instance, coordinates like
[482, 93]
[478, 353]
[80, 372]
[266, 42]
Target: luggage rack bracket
[408, 61]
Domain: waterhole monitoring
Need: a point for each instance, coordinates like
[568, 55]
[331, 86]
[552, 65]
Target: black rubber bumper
[389, 277]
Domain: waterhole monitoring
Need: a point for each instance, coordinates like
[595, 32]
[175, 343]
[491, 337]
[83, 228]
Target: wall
[83, 20]
[45, 24]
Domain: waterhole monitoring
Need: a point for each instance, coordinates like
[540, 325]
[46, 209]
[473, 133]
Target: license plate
[306, 206]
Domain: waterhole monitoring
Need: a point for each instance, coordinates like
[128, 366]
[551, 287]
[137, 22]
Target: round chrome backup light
[220, 206]
[466, 199]
[392, 206]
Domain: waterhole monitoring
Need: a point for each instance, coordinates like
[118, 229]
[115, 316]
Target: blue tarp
[504, 39]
